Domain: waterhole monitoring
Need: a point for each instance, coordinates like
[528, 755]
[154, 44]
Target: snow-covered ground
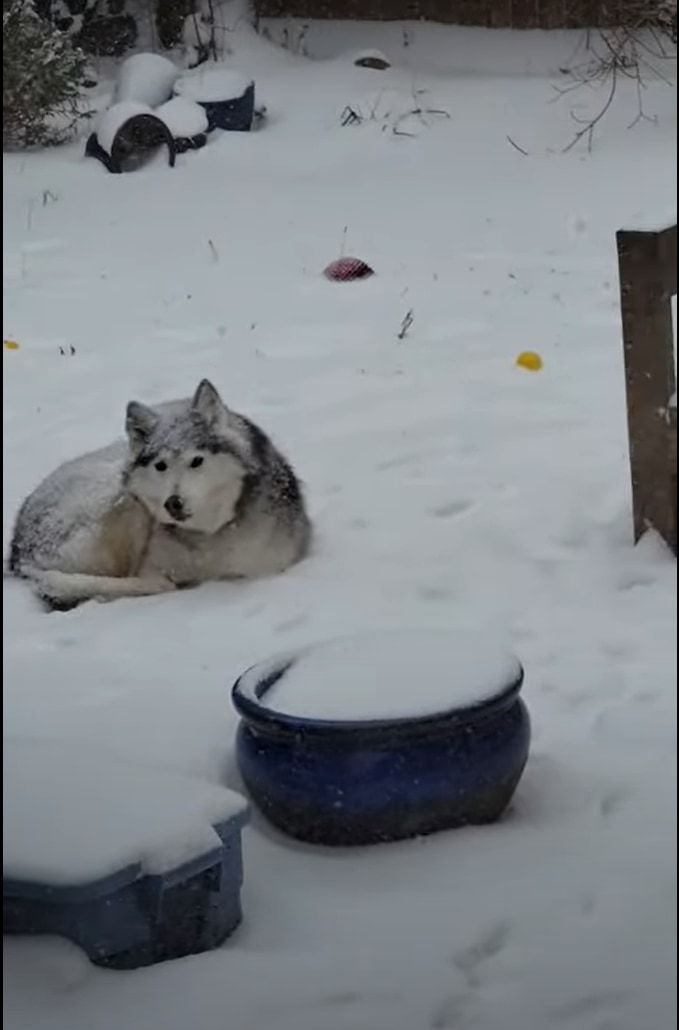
[449, 487]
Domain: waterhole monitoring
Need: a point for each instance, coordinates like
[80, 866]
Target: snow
[74, 816]
[390, 675]
[184, 118]
[657, 223]
[147, 78]
[210, 84]
[449, 489]
[113, 119]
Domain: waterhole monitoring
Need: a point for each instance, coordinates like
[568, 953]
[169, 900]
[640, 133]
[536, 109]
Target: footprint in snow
[399, 461]
[292, 623]
[43, 246]
[434, 592]
[452, 1013]
[450, 509]
[470, 960]
[599, 1003]
[611, 802]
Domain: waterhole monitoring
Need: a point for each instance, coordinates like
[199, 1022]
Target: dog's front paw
[159, 584]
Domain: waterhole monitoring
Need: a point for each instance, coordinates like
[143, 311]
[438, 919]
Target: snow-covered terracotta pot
[381, 737]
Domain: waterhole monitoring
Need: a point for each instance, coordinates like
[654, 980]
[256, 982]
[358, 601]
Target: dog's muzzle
[174, 506]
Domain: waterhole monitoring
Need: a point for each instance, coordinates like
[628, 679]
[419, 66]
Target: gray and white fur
[197, 493]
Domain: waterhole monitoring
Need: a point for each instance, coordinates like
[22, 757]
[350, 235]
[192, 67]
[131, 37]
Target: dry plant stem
[408, 320]
[631, 53]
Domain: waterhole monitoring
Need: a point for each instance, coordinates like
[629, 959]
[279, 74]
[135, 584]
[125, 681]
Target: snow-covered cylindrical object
[184, 118]
[187, 121]
[227, 97]
[146, 79]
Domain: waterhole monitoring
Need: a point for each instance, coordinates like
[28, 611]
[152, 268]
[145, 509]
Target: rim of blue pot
[281, 723]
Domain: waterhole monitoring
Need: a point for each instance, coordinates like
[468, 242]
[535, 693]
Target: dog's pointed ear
[140, 422]
[207, 403]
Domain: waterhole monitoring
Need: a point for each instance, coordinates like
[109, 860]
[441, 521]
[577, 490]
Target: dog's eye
[197, 462]
[160, 466]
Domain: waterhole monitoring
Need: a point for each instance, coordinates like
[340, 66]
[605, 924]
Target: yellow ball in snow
[530, 360]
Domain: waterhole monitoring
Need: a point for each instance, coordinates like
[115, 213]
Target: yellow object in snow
[11, 345]
[530, 360]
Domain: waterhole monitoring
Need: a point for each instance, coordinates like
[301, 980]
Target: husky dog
[198, 493]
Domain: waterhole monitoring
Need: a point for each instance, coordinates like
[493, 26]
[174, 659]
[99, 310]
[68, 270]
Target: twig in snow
[202, 52]
[590, 124]
[350, 116]
[417, 112]
[400, 132]
[408, 320]
[212, 44]
[516, 146]
[213, 251]
[296, 44]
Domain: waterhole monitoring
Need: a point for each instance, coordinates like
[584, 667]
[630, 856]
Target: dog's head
[188, 464]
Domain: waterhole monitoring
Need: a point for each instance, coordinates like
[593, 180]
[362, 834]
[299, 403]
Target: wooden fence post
[647, 264]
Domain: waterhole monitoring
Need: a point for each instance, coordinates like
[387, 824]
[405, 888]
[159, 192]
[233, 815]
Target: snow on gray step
[73, 816]
[388, 675]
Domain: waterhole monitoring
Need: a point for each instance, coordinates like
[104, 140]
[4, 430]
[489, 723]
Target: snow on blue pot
[382, 737]
[227, 97]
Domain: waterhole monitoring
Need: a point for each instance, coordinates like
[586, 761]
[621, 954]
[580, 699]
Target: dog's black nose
[174, 506]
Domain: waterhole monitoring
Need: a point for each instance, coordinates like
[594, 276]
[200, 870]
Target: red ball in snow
[347, 268]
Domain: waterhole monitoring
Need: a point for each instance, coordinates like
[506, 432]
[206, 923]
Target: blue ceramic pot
[234, 115]
[362, 782]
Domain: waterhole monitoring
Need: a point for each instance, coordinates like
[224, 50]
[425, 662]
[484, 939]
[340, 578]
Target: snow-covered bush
[43, 79]
[101, 27]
